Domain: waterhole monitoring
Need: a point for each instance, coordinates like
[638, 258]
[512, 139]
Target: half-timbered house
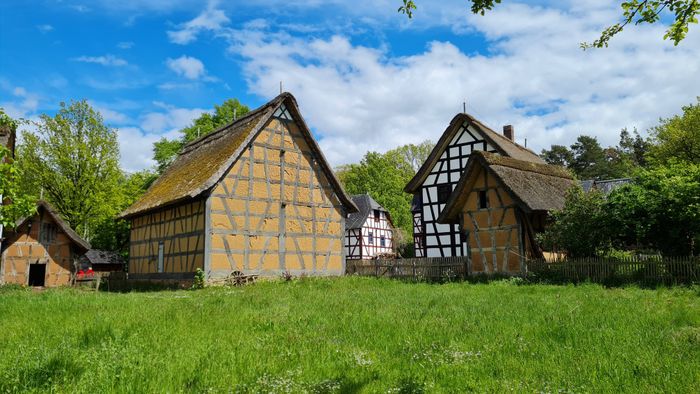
[370, 231]
[433, 183]
[256, 196]
[500, 204]
[42, 250]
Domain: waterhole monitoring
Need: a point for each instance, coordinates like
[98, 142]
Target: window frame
[483, 199]
[443, 193]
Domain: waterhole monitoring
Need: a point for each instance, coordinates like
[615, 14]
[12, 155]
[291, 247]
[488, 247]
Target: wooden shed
[255, 196]
[42, 250]
[370, 231]
[500, 203]
[102, 261]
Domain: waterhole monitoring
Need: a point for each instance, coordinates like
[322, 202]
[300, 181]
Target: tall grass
[353, 334]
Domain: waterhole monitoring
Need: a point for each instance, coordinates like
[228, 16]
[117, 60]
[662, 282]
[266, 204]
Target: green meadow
[351, 335]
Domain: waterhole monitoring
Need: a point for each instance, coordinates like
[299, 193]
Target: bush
[199, 279]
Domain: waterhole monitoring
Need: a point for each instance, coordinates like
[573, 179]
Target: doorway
[37, 274]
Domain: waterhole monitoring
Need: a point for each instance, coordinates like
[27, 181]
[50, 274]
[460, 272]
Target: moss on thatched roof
[502, 144]
[535, 186]
[204, 161]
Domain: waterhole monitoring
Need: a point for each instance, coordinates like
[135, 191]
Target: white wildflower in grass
[362, 359]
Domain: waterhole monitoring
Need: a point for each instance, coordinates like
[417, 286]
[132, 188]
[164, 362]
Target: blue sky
[366, 78]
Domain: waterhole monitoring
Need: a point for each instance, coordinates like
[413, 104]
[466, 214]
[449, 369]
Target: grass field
[353, 335]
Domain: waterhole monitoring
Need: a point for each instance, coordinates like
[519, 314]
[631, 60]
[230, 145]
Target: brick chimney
[508, 132]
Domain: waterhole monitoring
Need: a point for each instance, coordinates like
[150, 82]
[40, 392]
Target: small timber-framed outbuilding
[42, 250]
[370, 231]
[500, 203]
[256, 196]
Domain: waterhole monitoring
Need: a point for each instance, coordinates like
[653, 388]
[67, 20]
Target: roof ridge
[501, 136]
[523, 165]
[240, 121]
[502, 144]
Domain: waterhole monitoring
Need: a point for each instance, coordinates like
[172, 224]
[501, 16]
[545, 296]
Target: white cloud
[534, 77]
[170, 119]
[186, 66]
[125, 45]
[211, 19]
[110, 116]
[136, 147]
[106, 60]
[23, 105]
[44, 28]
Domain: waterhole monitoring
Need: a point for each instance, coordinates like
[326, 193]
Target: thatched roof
[534, 186]
[366, 206]
[204, 161]
[503, 145]
[62, 225]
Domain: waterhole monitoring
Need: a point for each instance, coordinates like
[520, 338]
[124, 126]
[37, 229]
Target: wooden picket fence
[422, 269]
[640, 269]
[644, 269]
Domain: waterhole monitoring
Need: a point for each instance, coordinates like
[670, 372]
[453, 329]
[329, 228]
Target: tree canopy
[165, 150]
[658, 211]
[383, 176]
[14, 204]
[677, 138]
[589, 160]
[72, 161]
[634, 12]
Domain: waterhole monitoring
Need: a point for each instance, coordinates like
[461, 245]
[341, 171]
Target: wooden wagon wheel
[237, 278]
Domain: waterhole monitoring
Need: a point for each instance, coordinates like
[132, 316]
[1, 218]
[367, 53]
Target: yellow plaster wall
[25, 249]
[180, 228]
[246, 209]
[494, 232]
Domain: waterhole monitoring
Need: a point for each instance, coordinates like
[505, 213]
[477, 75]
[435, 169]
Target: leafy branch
[637, 12]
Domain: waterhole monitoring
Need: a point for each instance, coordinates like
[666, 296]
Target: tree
[111, 233]
[677, 138]
[589, 159]
[637, 12]
[415, 155]
[13, 203]
[660, 210]
[383, 176]
[634, 148]
[581, 228]
[165, 151]
[558, 155]
[73, 160]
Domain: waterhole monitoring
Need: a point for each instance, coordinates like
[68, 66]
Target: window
[483, 199]
[382, 241]
[376, 215]
[370, 238]
[161, 256]
[443, 192]
[48, 233]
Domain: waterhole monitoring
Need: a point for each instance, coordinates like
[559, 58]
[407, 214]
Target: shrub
[199, 279]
